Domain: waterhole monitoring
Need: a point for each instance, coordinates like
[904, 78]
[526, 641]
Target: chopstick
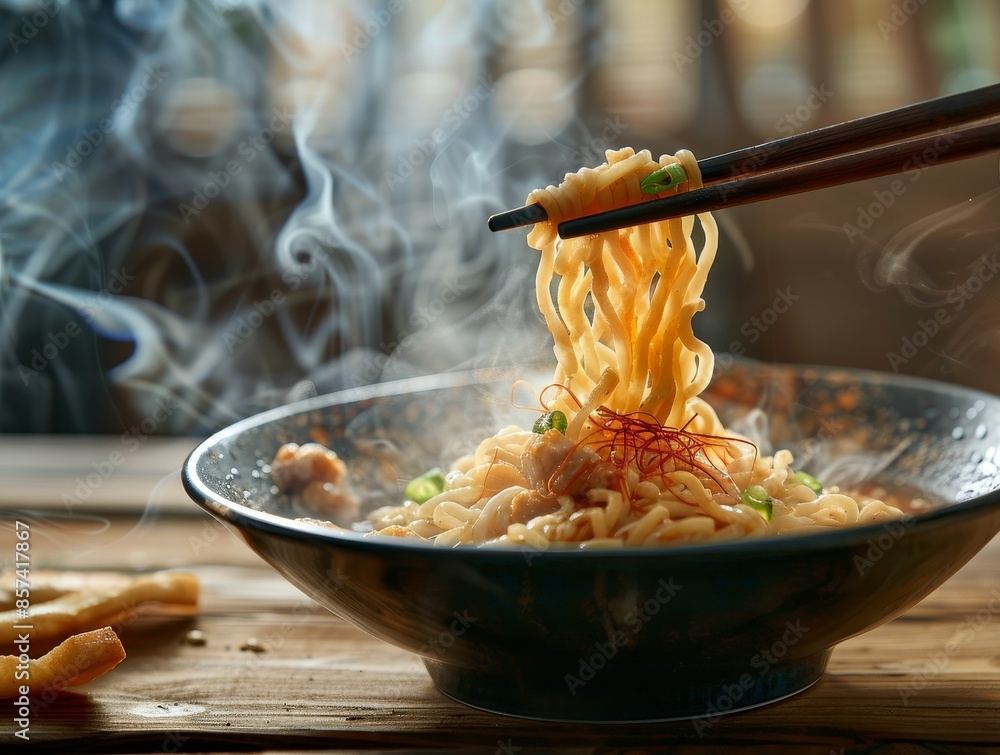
[901, 157]
[878, 145]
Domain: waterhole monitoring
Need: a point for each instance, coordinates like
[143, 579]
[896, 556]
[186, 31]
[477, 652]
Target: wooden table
[315, 682]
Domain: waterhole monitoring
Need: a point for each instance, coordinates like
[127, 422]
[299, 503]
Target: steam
[228, 205]
[958, 233]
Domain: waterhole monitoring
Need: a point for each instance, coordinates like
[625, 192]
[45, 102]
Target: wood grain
[67, 474]
[320, 682]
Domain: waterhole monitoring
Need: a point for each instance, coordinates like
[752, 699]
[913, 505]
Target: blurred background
[212, 207]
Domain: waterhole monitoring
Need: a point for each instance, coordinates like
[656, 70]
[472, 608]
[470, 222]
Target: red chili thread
[638, 439]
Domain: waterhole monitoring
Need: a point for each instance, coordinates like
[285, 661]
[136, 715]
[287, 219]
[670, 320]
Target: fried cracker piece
[94, 600]
[47, 584]
[75, 661]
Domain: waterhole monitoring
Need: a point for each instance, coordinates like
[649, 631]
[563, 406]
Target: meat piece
[530, 503]
[542, 456]
[552, 463]
[315, 475]
[296, 466]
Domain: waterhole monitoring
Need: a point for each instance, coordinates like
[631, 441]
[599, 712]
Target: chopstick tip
[527, 215]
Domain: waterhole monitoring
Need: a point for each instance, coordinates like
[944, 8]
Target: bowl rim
[243, 516]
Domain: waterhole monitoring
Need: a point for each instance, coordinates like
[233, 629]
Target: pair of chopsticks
[910, 138]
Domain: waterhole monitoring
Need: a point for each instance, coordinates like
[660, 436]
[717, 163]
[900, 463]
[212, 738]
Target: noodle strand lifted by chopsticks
[642, 459]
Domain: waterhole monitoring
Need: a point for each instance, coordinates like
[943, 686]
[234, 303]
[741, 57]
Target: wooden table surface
[929, 679]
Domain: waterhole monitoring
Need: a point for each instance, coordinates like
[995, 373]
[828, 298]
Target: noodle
[643, 459]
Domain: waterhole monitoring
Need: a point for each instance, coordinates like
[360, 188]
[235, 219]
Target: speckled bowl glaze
[633, 635]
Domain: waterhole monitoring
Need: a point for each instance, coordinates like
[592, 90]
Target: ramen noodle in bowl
[625, 451]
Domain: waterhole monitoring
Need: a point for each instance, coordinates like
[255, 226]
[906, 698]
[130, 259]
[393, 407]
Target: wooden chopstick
[860, 133]
[916, 154]
[799, 159]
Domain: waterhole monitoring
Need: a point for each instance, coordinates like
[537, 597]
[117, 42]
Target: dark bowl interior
[641, 634]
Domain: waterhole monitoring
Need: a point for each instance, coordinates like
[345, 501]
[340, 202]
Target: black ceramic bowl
[631, 635]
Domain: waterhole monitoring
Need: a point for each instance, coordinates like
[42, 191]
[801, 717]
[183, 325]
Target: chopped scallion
[757, 498]
[425, 487]
[663, 179]
[810, 482]
[554, 420]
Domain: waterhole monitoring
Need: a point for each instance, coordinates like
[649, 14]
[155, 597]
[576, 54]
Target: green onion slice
[757, 498]
[810, 482]
[425, 487]
[663, 179]
[550, 420]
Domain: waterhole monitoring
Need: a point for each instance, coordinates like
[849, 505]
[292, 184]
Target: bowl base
[618, 693]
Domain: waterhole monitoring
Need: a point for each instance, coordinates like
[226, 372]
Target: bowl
[647, 634]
